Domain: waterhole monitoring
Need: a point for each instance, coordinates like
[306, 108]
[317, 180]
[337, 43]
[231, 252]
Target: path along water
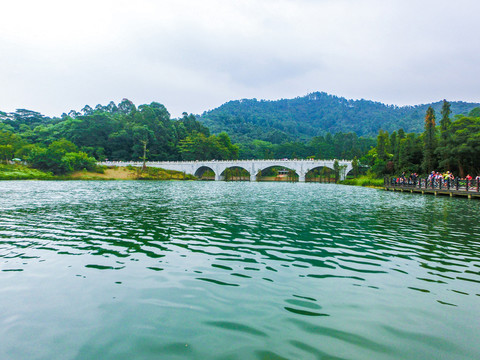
[204, 270]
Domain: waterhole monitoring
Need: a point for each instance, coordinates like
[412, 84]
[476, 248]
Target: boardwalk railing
[434, 184]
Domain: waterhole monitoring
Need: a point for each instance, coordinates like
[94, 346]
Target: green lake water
[216, 270]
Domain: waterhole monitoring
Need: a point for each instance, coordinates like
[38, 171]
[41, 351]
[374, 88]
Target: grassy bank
[131, 173]
[366, 180]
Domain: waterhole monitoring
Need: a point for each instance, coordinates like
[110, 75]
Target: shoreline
[22, 172]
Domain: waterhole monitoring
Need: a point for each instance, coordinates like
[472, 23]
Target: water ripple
[214, 270]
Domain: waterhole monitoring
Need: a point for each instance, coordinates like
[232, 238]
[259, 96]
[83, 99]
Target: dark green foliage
[410, 154]
[316, 114]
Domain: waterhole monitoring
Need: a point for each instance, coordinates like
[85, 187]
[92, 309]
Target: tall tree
[355, 167]
[445, 122]
[382, 145]
[443, 151]
[336, 170]
[429, 141]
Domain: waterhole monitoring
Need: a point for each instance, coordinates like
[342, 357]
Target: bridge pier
[301, 178]
[253, 177]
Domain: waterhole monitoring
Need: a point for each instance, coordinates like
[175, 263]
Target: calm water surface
[204, 270]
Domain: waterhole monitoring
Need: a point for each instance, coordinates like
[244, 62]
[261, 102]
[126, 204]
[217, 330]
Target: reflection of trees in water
[426, 229]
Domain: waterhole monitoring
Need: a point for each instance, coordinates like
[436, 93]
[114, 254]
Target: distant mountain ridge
[315, 114]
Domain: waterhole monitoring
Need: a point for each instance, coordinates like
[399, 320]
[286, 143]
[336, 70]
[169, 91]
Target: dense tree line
[113, 132]
[445, 145]
[303, 118]
[124, 132]
[338, 146]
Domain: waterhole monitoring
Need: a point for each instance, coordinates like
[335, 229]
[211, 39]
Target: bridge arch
[235, 173]
[290, 171]
[202, 169]
[321, 173]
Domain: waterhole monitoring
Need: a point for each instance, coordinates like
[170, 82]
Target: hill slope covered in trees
[316, 114]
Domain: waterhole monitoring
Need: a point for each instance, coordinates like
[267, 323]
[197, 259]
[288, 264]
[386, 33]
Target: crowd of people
[436, 177]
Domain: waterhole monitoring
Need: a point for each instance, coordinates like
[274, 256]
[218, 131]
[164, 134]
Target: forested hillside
[316, 114]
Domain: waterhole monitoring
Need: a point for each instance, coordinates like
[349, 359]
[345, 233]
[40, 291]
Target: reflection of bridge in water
[301, 167]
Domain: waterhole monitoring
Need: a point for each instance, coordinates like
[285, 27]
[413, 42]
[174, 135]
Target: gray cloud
[193, 56]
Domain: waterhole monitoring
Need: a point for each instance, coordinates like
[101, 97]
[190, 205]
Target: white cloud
[194, 55]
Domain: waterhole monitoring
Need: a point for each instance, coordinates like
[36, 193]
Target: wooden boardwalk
[464, 188]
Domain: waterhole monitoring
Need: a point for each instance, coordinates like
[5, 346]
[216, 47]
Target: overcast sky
[193, 55]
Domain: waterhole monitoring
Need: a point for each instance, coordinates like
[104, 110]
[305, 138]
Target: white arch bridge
[301, 167]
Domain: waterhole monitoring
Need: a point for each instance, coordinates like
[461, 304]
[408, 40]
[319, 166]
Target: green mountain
[316, 114]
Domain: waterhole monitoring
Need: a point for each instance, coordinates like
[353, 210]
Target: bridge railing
[434, 184]
[219, 161]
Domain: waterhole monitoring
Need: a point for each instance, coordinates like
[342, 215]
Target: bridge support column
[301, 177]
[218, 177]
[253, 177]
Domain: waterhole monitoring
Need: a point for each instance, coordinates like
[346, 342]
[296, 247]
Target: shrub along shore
[366, 180]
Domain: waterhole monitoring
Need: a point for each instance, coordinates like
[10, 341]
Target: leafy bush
[77, 161]
[364, 181]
